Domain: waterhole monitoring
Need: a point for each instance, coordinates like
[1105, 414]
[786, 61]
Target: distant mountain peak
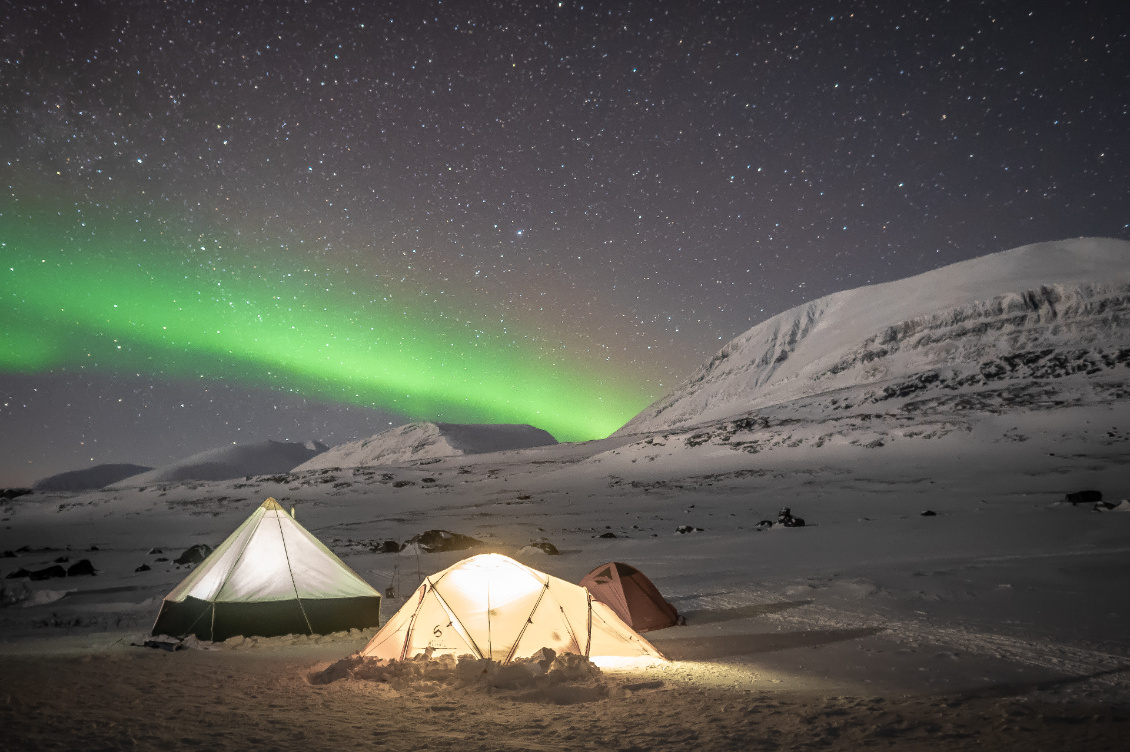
[419, 441]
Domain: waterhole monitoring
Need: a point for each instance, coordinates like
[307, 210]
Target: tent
[628, 592]
[490, 606]
[270, 577]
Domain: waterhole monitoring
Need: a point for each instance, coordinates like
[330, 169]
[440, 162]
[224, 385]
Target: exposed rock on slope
[228, 462]
[418, 441]
[1041, 325]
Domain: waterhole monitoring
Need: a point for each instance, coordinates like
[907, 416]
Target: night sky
[222, 222]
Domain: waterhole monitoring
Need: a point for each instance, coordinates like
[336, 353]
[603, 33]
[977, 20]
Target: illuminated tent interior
[270, 577]
[490, 606]
[628, 592]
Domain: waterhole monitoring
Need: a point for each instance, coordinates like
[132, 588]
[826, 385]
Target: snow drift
[419, 441]
[1040, 325]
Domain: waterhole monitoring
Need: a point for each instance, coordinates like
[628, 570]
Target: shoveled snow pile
[230, 462]
[545, 677]
[420, 441]
[1041, 325]
[89, 478]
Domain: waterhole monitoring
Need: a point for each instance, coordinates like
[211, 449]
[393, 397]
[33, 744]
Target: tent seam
[455, 622]
[529, 620]
[290, 569]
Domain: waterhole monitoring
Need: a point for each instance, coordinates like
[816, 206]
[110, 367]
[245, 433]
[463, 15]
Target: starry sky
[224, 222]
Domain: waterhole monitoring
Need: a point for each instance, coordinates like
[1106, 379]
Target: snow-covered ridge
[421, 441]
[230, 462]
[1034, 313]
[89, 478]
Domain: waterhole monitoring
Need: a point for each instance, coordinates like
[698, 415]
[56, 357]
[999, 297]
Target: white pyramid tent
[270, 577]
[490, 606]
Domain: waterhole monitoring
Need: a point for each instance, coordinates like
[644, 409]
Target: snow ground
[1000, 620]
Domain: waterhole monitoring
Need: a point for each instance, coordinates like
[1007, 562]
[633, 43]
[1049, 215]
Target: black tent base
[219, 621]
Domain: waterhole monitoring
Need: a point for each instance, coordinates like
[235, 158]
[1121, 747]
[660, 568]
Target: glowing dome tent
[490, 606]
[270, 577]
[628, 592]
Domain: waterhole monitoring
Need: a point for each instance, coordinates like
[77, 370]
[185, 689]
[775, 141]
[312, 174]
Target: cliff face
[1045, 324]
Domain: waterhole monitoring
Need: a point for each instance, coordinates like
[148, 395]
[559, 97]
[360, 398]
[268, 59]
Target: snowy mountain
[89, 478]
[418, 441]
[229, 462]
[1043, 325]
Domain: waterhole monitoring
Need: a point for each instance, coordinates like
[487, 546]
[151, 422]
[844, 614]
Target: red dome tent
[631, 596]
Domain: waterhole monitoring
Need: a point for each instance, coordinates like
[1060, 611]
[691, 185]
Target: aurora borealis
[122, 305]
[226, 221]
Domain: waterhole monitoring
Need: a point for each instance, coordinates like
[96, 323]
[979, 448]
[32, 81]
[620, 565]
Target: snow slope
[230, 462]
[418, 441]
[1013, 327]
[943, 593]
[89, 478]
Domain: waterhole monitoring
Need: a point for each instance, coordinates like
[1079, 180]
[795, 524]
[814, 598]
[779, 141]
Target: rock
[607, 535]
[684, 529]
[929, 513]
[387, 547]
[438, 541]
[543, 545]
[62, 560]
[1084, 497]
[194, 554]
[154, 551]
[19, 574]
[142, 568]
[763, 525]
[785, 518]
[50, 573]
[81, 568]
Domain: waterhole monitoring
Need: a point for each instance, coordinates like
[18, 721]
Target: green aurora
[130, 301]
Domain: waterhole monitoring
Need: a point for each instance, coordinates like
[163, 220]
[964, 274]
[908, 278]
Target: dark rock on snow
[545, 546]
[437, 541]
[50, 573]
[1084, 497]
[194, 554]
[785, 518]
[81, 568]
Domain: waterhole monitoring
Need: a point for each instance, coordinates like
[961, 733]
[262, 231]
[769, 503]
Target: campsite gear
[628, 592]
[270, 577]
[490, 606]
